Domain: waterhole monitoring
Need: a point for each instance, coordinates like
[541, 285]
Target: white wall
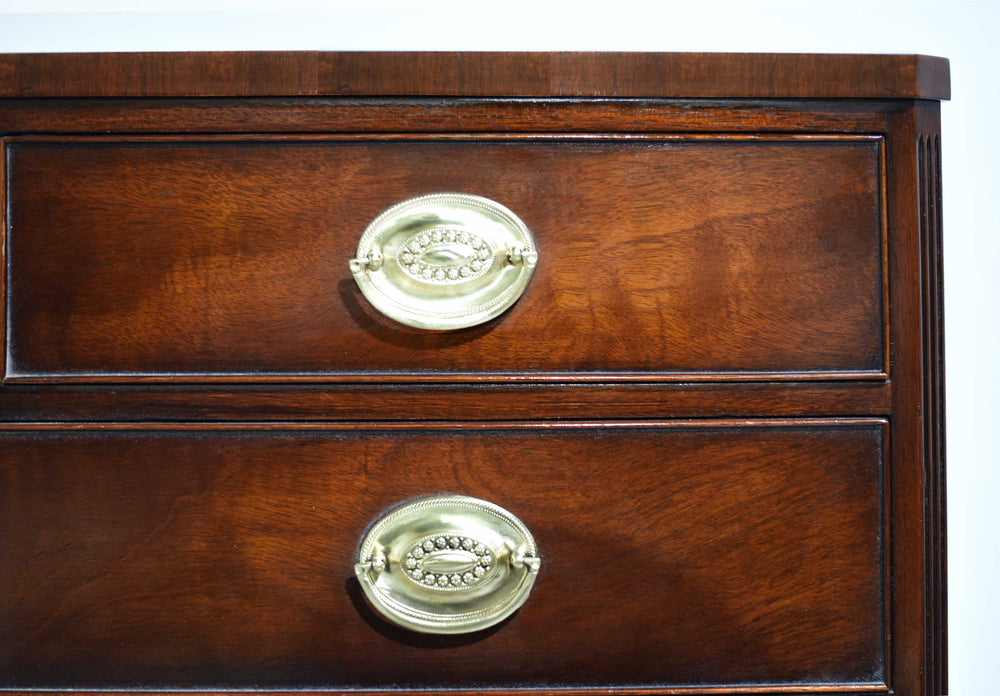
[961, 31]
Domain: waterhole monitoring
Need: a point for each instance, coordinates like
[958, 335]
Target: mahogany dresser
[566, 373]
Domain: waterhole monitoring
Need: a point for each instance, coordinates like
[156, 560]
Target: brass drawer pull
[447, 564]
[444, 261]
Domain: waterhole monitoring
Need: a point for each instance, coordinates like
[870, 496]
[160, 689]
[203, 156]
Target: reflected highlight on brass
[444, 261]
[447, 564]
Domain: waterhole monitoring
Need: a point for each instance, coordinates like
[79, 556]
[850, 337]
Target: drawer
[717, 406]
[699, 553]
[226, 258]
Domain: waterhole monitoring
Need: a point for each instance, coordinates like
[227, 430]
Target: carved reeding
[930, 199]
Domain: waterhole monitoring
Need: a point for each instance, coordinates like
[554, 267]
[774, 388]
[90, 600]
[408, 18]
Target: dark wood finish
[120, 503]
[225, 259]
[411, 402]
[917, 423]
[689, 75]
[246, 73]
[929, 185]
[221, 557]
[811, 690]
[471, 74]
[853, 690]
[414, 115]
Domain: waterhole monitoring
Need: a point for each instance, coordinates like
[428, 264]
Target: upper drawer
[661, 258]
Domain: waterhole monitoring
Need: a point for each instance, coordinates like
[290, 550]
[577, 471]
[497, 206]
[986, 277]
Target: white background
[963, 31]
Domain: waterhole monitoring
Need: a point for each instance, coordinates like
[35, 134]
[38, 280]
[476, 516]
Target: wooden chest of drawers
[717, 405]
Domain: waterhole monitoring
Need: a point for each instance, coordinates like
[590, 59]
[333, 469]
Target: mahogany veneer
[718, 405]
[235, 257]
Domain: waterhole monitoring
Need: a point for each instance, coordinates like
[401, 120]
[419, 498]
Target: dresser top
[469, 74]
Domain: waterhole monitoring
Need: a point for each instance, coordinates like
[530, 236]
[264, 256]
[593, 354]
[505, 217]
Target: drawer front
[694, 554]
[226, 259]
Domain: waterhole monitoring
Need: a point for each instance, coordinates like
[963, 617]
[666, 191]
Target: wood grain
[372, 115]
[919, 635]
[414, 402]
[185, 534]
[810, 689]
[219, 558]
[228, 258]
[929, 187]
[690, 75]
[238, 73]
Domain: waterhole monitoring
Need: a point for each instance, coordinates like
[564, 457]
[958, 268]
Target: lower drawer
[693, 554]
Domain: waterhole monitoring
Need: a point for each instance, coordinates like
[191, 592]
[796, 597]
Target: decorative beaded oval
[445, 256]
[447, 562]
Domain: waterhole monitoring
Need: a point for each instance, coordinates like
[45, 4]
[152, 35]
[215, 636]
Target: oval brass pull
[444, 261]
[447, 564]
